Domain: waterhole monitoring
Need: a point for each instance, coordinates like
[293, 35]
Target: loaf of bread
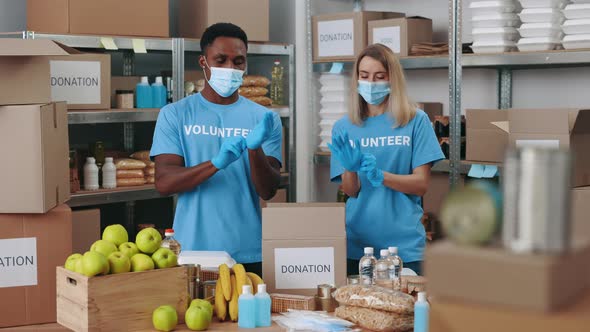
[130, 182]
[252, 91]
[149, 171]
[141, 155]
[264, 101]
[129, 173]
[150, 179]
[255, 80]
[149, 163]
[376, 320]
[374, 297]
[128, 163]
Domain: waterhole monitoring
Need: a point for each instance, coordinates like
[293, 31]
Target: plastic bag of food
[252, 91]
[264, 101]
[149, 163]
[141, 155]
[130, 182]
[129, 173]
[374, 297]
[376, 320]
[151, 179]
[128, 163]
[149, 171]
[255, 80]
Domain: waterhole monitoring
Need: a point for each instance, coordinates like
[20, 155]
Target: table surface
[215, 326]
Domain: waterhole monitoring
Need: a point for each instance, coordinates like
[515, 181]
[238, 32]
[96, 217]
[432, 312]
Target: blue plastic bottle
[158, 93]
[246, 308]
[262, 307]
[143, 94]
[421, 309]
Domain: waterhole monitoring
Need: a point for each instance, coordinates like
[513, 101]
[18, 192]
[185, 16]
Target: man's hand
[261, 132]
[230, 151]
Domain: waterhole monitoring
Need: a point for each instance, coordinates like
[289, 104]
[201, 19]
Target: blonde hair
[398, 102]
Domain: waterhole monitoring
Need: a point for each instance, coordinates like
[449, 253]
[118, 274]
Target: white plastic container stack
[494, 26]
[334, 100]
[541, 25]
[577, 25]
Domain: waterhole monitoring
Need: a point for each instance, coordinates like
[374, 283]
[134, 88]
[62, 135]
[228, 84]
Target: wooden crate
[118, 302]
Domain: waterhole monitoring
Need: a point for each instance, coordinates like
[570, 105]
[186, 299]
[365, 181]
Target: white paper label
[302, 268]
[388, 36]
[18, 262]
[538, 143]
[77, 82]
[336, 38]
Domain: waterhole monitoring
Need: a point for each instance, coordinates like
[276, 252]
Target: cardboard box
[581, 213]
[303, 245]
[85, 229]
[432, 109]
[342, 36]
[35, 177]
[485, 141]
[31, 246]
[48, 16]
[253, 16]
[459, 316]
[55, 73]
[122, 83]
[280, 197]
[399, 34]
[498, 277]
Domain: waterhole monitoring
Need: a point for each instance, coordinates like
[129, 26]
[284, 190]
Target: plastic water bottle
[276, 83]
[263, 303]
[246, 308]
[90, 174]
[421, 309]
[170, 242]
[158, 93]
[109, 174]
[396, 265]
[381, 271]
[366, 267]
[143, 94]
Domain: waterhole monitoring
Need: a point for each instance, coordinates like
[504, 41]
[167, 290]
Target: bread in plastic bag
[149, 163]
[141, 155]
[264, 101]
[151, 179]
[149, 171]
[130, 182]
[128, 163]
[255, 80]
[375, 297]
[129, 173]
[252, 91]
[376, 320]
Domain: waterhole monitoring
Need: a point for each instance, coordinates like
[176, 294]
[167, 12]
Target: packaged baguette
[376, 320]
[255, 80]
[375, 297]
[141, 155]
[128, 163]
[129, 173]
[131, 182]
[252, 91]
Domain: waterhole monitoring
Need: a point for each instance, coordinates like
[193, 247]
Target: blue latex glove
[349, 157]
[261, 132]
[369, 166]
[230, 151]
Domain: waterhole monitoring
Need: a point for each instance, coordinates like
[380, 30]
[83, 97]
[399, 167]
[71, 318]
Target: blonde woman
[382, 153]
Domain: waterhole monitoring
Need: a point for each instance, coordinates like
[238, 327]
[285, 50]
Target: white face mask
[224, 81]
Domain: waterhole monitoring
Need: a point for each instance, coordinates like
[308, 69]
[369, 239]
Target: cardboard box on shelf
[48, 16]
[342, 36]
[464, 316]
[253, 16]
[303, 245]
[42, 71]
[399, 34]
[85, 229]
[37, 178]
[485, 141]
[122, 83]
[495, 276]
[31, 247]
[432, 109]
[580, 213]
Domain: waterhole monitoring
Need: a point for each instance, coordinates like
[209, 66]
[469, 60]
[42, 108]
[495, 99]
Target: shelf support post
[128, 63]
[177, 69]
[504, 88]
[455, 76]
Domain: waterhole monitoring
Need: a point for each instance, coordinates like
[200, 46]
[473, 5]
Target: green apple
[148, 240]
[116, 234]
[165, 318]
[79, 268]
[203, 304]
[141, 262]
[197, 318]
[129, 249]
[165, 258]
[71, 262]
[94, 263]
[104, 247]
[119, 262]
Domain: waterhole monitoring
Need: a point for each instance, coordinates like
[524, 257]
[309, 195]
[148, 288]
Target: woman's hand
[350, 157]
[369, 166]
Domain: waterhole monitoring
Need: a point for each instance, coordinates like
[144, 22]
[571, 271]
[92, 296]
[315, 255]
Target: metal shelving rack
[178, 47]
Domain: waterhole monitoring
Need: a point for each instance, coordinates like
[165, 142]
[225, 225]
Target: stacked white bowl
[494, 26]
[541, 25]
[334, 100]
[577, 25]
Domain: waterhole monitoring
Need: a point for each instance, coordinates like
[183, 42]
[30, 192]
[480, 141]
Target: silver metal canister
[537, 184]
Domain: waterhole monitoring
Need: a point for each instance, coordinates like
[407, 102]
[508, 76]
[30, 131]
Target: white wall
[13, 15]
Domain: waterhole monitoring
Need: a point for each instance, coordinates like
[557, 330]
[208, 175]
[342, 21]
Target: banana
[233, 303]
[256, 280]
[241, 277]
[224, 274]
[220, 302]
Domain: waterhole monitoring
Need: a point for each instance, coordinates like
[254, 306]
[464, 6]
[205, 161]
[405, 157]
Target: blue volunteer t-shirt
[223, 213]
[382, 217]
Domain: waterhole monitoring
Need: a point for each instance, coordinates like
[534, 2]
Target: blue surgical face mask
[373, 93]
[224, 81]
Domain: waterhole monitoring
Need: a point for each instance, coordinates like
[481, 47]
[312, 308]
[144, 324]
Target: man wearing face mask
[220, 152]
